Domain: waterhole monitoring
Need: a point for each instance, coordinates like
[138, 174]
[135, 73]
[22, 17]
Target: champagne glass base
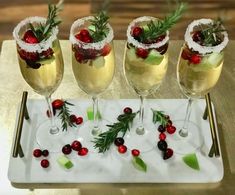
[145, 142]
[54, 142]
[189, 144]
[87, 133]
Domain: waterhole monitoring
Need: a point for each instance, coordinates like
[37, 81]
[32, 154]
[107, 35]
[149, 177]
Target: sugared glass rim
[36, 47]
[97, 45]
[199, 48]
[138, 44]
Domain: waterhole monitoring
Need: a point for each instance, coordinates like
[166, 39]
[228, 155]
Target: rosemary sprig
[157, 28]
[159, 116]
[211, 33]
[43, 31]
[100, 27]
[104, 140]
[65, 116]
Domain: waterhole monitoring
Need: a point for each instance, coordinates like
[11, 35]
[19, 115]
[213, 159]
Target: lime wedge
[98, 62]
[191, 161]
[139, 164]
[46, 60]
[65, 162]
[90, 114]
[91, 28]
[154, 57]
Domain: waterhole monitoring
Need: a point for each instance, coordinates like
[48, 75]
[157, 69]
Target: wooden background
[120, 11]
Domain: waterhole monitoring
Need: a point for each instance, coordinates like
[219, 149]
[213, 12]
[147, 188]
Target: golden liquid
[143, 77]
[196, 80]
[47, 78]
[92, 79]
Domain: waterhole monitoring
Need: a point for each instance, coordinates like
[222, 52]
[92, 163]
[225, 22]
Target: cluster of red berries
[31, 58]
[83, 55]
[57, 105]
[76, 146]
[143, 53]
[37, 153]
[162, 144]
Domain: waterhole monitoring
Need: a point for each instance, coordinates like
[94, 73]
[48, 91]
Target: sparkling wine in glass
[93, 64]
[41, 65]
[198, 70]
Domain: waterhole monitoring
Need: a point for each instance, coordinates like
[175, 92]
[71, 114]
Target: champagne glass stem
[53, 129]
[140, 129]
[96, 130]
[184, 130]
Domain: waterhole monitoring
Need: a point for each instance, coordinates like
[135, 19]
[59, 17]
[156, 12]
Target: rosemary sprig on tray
[158, 28]
[99, 32]
[65, 116]
[159, 116]
[104, 140]
[43, 31]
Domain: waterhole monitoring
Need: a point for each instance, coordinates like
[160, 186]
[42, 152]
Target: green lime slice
[191, 161]
[65, 162]
[139, 164]
[46, 60]
[154, 58]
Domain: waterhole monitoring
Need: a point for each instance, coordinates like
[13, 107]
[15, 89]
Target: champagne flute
[41, 65]
[93, 64]
[145, 66]
[198, 70]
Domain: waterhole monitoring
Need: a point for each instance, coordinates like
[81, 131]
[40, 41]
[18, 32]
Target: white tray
[113, 167]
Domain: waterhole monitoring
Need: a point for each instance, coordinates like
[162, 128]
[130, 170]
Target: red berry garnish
[135, 152]
[168, 153]
[162, 145]
[162, 136]
[127, 110]
[37, 153]
[45, 163]
[82, 152]
[160, 38]
[186, 54]
[169, 122]
[76, 145]
[161, 128]
[84, 32]
[78, 36]
[170, 129]
[198, 37]
[137, 32]
[29, 37]
[106, 50]
[195, 59]
[67, 149]
[79, 56]
[57, 104]
[119, 141]
[73, 118]
[142, 53]
[87, 39]
[122, 149]
[79, 120]
[45, 153]
[48, 53]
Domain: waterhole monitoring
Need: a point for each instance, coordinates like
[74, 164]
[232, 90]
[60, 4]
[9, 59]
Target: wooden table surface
[223, 96]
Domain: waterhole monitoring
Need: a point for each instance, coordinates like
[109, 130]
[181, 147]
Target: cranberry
[76, 145]
[45, 163]
[170, 129]
[79, 57]
[195, 59]
[78, 36]
[29, 37]
[72, 118]
[162, 145]
[186, 54]
[84, 32]
[119, 141]
[162, 136]
[106, 50]
[160, 38]
[45, 153]
[127, 110]
[82, 152]
[135, 152]
[57, 104]
[143, 53]
[67, 149]
[198, 37]
[168, 153]
[161, 128]
[122, 149]
[48, 53]
[79, 120]
[37, 153]
[137, 31]
[87, 39]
